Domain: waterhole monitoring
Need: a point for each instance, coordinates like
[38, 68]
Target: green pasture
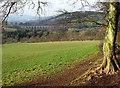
[25, 61]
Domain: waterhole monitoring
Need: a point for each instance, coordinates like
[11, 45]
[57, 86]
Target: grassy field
[25, 61]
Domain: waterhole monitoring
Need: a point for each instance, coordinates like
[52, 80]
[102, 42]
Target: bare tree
[17, 6]
[110, 13]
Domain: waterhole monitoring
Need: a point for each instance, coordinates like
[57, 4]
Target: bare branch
[12, 4]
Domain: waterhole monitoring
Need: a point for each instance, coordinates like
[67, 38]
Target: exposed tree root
[97, 71]
[109, 66]
[110, 63]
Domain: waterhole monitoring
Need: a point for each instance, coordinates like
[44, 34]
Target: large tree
[110, 63]
[111, 12]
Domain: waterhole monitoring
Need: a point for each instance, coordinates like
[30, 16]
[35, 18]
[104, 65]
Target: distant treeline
[55, 35]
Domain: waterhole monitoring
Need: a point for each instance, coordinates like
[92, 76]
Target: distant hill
[24, 18]
[53, 20]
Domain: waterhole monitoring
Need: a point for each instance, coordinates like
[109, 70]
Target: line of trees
[55, 35]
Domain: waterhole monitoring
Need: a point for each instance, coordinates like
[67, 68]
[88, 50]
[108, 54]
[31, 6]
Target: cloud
[57, 5]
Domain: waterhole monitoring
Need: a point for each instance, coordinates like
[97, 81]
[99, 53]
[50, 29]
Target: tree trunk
[110, 63]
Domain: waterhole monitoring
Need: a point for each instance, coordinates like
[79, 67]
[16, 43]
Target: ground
[65, 77]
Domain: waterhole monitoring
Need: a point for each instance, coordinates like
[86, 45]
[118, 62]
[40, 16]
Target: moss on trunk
[110, 63]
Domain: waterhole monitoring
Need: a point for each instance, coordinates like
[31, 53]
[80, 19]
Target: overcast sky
[56, 5]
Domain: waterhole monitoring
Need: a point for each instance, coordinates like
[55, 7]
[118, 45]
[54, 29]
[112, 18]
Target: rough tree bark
[110, 63]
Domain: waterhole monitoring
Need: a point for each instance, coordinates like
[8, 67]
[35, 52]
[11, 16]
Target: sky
[56, 5]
